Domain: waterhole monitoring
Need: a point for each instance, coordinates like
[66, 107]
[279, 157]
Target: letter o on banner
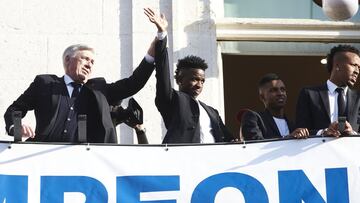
[252, 190]
[340, 9]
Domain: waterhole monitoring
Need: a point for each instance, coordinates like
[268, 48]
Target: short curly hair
[267, 78]
[189, 62]
[338, 49]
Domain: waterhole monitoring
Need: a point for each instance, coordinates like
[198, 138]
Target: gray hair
[71, 50]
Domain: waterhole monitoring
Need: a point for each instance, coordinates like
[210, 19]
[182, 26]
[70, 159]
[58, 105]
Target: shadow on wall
[200, 39]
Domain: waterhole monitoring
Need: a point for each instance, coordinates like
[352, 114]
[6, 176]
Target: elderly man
[57, 101]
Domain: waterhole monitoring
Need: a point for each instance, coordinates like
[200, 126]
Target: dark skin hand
[333, 129]
[300, 133]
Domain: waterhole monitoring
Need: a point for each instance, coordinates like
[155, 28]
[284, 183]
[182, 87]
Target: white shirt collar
[68, 79]
[332, 87]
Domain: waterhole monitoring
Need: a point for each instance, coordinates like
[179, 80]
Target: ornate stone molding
[236, 29]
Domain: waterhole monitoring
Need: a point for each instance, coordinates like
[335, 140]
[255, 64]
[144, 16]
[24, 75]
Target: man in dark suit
[187, 119]
[57, 101]
[272, 122]
[318, 108]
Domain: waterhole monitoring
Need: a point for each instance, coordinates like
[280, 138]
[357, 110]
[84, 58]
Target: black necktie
[341, 101]
[76, 89]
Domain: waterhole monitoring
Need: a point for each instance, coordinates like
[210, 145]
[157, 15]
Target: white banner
[291, 171]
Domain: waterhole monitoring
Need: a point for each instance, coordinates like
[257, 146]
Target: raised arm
[131, 85]
[163, 84]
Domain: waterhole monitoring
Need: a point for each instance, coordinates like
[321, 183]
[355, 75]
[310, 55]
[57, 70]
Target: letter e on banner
[130, 187]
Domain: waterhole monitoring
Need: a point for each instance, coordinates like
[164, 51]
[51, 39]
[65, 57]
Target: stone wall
[33, 35]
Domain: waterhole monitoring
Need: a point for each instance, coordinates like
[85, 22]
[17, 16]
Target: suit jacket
[179, 110]
[44, 94]
[313, 111]
[261, 125]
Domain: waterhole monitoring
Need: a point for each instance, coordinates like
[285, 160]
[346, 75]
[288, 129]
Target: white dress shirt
[282, 126]
[333, 104]
[205, 126]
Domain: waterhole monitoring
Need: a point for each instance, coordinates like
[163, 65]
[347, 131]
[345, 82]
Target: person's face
[191, 81]
[80, 66]
[273, 94]
[347, 68]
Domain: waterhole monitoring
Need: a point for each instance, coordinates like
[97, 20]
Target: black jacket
[43, 96]
[261, 125]
[313, 109]
[179, 110]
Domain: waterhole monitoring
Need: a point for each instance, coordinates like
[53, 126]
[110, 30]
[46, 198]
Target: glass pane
[303, 9]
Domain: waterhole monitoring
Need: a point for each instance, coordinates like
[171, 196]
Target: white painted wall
[33, 35]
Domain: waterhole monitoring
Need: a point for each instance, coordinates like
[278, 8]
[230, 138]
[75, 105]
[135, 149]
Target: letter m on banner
[295, 187]
[13, 188]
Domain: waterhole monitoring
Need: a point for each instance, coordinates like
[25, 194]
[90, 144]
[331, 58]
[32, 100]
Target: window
[295, 9]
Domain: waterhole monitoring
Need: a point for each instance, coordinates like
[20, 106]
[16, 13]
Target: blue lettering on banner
[295, 187]
[54, 187]
[129, 187]
[13, 188]
[252, 190]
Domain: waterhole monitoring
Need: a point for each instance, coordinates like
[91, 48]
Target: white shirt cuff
[11, 127]
[149, 58]
[161, 35]
[320, 132]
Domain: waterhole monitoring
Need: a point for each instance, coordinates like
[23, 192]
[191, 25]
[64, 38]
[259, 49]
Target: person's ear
[178, 80]
[261, 97]
[67, 60]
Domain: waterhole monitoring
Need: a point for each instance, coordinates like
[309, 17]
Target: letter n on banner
[294, 186]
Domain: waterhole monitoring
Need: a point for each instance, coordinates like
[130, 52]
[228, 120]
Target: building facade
[35, 33]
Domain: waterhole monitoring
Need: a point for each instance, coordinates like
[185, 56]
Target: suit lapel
[290, 124]
[57, 90]
[209, 112]
[272, 125]
[323, 91]
[214, 125]
[351, 98]
[104, 111]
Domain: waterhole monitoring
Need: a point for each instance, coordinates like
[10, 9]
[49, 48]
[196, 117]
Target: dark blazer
[313, 111]
[44, 93]
[261, 125]
[179, 110]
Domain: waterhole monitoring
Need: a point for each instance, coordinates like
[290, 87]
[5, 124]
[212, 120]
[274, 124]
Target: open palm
[159, 20]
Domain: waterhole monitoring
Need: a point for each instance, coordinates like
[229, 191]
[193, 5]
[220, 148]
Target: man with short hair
[57, 101]
[319, 108]
[187, 119]
[272, 122]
